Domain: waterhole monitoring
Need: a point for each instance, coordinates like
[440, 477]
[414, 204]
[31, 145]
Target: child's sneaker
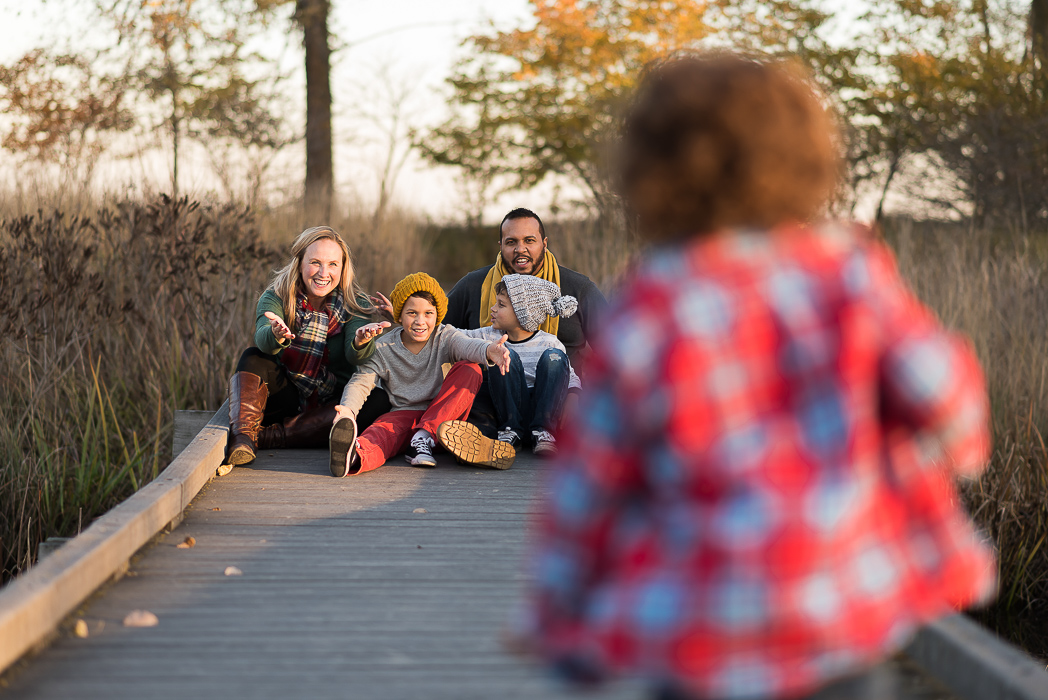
[470, 445]
[511, 437]
[420, 451]
[545, 444]
[342, 443]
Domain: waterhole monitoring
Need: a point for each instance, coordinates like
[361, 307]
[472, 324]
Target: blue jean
[522, 409]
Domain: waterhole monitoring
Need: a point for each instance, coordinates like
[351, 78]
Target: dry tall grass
[114, 316]
[991, 286]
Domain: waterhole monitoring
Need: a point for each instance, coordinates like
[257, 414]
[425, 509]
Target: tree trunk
[1039, 37]
[312, 16]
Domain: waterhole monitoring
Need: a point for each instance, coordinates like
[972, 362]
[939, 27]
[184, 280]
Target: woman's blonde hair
[288, 280]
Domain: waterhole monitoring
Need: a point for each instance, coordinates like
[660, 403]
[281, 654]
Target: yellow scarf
[550, 272]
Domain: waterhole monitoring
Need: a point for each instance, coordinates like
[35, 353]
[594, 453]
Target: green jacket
[343, 358]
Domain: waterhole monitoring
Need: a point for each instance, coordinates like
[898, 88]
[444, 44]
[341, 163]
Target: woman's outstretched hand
[498, 354]
[366, 333]
[279, 328]
[383, 305]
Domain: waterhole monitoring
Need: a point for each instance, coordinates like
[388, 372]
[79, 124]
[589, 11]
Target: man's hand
[498, 354]
[340, 413]
[366, 333]
[383, 305]
[279, 328]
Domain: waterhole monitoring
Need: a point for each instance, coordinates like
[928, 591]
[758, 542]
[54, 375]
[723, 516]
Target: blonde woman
[309, 339]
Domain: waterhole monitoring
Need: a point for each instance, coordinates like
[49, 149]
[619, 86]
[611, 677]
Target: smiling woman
[309, 337]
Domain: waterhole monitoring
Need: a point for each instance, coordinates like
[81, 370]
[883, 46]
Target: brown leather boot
[308, 429]
[247, 401]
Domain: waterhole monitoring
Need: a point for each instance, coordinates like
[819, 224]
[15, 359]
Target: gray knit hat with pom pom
[534, 299]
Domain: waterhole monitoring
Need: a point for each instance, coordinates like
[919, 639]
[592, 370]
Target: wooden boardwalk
[386, 586]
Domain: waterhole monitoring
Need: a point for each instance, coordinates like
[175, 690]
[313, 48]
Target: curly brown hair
[717, 140]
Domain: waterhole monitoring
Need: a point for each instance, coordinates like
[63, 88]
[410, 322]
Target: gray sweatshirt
[411, 380]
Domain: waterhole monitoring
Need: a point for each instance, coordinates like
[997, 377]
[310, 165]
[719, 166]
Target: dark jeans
[283, 399]
[524, 410]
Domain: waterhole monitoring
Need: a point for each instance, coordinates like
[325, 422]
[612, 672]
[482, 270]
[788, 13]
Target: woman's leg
[258, 377]
[454, 399]
[283, 396]
[386, 437]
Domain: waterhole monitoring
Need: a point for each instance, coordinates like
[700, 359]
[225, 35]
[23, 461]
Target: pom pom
[565, 306]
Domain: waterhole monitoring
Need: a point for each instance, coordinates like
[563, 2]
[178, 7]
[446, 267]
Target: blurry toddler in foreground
[754, 499]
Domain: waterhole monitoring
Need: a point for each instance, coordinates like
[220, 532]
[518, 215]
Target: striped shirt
[530, 350]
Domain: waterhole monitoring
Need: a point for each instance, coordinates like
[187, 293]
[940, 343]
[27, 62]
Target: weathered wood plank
[344, 591]
[187, 425]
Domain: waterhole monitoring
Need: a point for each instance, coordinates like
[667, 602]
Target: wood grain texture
[346, 591]
[32, 605]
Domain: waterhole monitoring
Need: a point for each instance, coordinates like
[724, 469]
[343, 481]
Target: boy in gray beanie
[529, 398]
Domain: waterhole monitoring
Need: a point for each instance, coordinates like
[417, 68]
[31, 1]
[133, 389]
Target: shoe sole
[240, 455]
[469, 444]
[421, 461]
[343, 435]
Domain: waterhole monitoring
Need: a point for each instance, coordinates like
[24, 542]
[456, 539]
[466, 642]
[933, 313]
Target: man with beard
[523, 250]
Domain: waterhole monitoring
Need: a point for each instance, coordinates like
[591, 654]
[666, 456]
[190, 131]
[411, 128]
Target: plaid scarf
[305, 359]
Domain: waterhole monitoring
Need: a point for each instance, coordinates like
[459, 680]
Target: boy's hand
[383, 305]
[498, 354]
[366, 333]
[340, 413]
[279, 328]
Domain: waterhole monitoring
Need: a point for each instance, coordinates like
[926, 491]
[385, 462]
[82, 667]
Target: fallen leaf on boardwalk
[141, 618]
[80, 629]
[420, 510]
[233, 571]
[187, 543]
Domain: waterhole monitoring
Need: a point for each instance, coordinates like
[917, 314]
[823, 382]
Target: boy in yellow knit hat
[407, 362]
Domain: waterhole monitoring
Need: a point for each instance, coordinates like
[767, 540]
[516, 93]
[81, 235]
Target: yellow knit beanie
[418, 282]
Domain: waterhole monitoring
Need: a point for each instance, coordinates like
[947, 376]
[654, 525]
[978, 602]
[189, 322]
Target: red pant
[390, 433]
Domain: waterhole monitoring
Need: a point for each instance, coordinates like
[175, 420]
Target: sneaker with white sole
[545, 443]
[471, 446]
[342, 443]
[511, 437]
[420, 452]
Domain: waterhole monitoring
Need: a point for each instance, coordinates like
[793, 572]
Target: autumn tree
[188, 58]
[961, 92]
[543, 101]
[60, 111]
